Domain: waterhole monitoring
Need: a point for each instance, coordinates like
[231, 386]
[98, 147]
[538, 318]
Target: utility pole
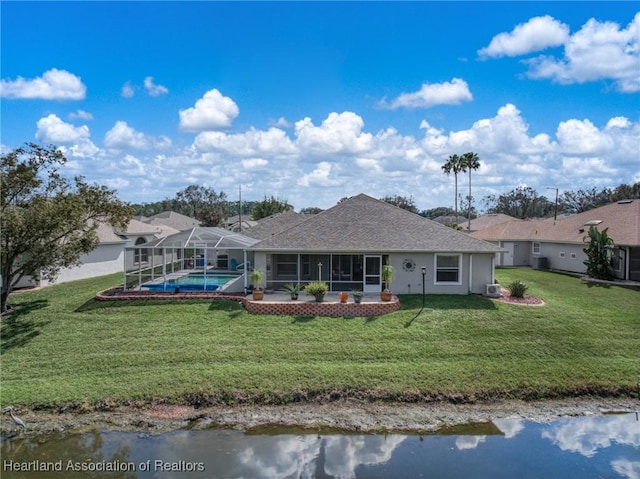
[555, 211]
[240, 207]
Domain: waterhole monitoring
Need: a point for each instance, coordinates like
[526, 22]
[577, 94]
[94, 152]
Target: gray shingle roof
[174, 220]
[269, 226]
[365, 224]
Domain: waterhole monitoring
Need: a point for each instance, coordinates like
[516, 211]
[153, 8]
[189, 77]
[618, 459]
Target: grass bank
[60, 346]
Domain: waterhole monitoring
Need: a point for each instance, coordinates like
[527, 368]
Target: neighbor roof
[269, 226]
[135, 227]
[622, 219]
[365, 224]
[486, 221]
[175, 220]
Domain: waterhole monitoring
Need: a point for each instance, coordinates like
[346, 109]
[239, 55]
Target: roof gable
[365, 224]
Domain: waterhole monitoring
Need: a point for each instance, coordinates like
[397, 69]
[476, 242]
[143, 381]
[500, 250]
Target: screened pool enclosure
[199, 259]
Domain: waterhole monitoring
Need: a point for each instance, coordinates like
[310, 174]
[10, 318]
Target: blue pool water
[193, 282]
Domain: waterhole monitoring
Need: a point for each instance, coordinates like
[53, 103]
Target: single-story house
[347, 245]
[108, 256]
[559, 244]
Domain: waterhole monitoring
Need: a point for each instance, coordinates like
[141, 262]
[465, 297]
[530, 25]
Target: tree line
[524, 202]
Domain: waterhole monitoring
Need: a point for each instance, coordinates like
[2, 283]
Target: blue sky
[312, 102]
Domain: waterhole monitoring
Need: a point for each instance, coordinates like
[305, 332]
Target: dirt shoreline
[344, 415]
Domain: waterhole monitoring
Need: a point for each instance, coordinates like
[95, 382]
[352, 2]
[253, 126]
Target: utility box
[540, 262]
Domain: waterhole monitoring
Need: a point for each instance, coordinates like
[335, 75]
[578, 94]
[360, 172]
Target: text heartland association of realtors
[102, 466]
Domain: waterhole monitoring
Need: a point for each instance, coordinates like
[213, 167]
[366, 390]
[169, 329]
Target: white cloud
[588, 435]
[211, 112]
[535, 35]
[122, 136]
[253, 163]
[582, 137]
[127, 90]
[251, 143]
[431, 94]
[339, 133]
[618, 122]
[469, 442]
[53, 130]
[54, 84]
[280, 123]
[506, 132]
[626, 468]
[598, 51]
[80, 115]
[153, 89]
[319, 177]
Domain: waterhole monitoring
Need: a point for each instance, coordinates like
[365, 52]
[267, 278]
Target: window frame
[436, 269]
[533, 248]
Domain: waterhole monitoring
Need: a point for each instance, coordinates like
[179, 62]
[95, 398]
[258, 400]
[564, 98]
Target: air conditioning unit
[494, 290]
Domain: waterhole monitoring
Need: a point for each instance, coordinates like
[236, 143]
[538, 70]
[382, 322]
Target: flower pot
[357, 299]
[294, 296]
[386, 295]
[257, 294]
[319, 298]
[344, 297]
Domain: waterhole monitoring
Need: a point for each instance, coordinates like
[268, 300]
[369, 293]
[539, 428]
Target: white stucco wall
[105, 259]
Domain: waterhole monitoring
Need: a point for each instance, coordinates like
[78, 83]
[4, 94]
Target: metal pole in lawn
[424, 274]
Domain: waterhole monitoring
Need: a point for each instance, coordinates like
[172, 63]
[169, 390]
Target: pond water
[583, 447]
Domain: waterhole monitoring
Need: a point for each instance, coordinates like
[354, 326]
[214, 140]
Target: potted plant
[257, 277]
[317, 289]
[357, 295]
[293, 289]
[388, 274]
[344, 296]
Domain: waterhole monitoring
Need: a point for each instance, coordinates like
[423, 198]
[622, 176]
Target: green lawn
[60, 345]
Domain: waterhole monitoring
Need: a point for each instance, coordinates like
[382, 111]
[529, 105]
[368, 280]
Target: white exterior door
[372, 274]
[508, 256]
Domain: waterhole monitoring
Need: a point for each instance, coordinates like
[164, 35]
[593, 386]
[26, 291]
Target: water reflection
[604, 446]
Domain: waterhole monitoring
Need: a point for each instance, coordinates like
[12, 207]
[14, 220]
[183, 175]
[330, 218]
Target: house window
[562, 254]
[141, 255]
[616, 260]
[286, 266]
[536, 248]
[448, 269]
[573, 256]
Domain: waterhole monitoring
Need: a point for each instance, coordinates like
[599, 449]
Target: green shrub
[316, 288]
[517, 289]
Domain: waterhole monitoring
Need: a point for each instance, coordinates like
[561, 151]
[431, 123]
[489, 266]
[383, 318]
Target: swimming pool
[192, 282]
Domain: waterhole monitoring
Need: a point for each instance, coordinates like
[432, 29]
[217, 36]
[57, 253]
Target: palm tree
[455, 165]
[470, 161]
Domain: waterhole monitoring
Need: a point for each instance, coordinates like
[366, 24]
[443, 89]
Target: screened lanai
[199, 259]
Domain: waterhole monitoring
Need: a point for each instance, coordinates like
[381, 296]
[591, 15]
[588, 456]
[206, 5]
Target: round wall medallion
[408, 265]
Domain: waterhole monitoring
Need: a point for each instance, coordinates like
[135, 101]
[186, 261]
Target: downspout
[124, 269]
[470, 273]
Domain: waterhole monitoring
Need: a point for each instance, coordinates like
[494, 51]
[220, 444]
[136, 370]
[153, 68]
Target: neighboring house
[234, 224]
[108, 256]
[489, 220]
[559, 244]
[267, 227]
[174, 220]
[347, 245]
